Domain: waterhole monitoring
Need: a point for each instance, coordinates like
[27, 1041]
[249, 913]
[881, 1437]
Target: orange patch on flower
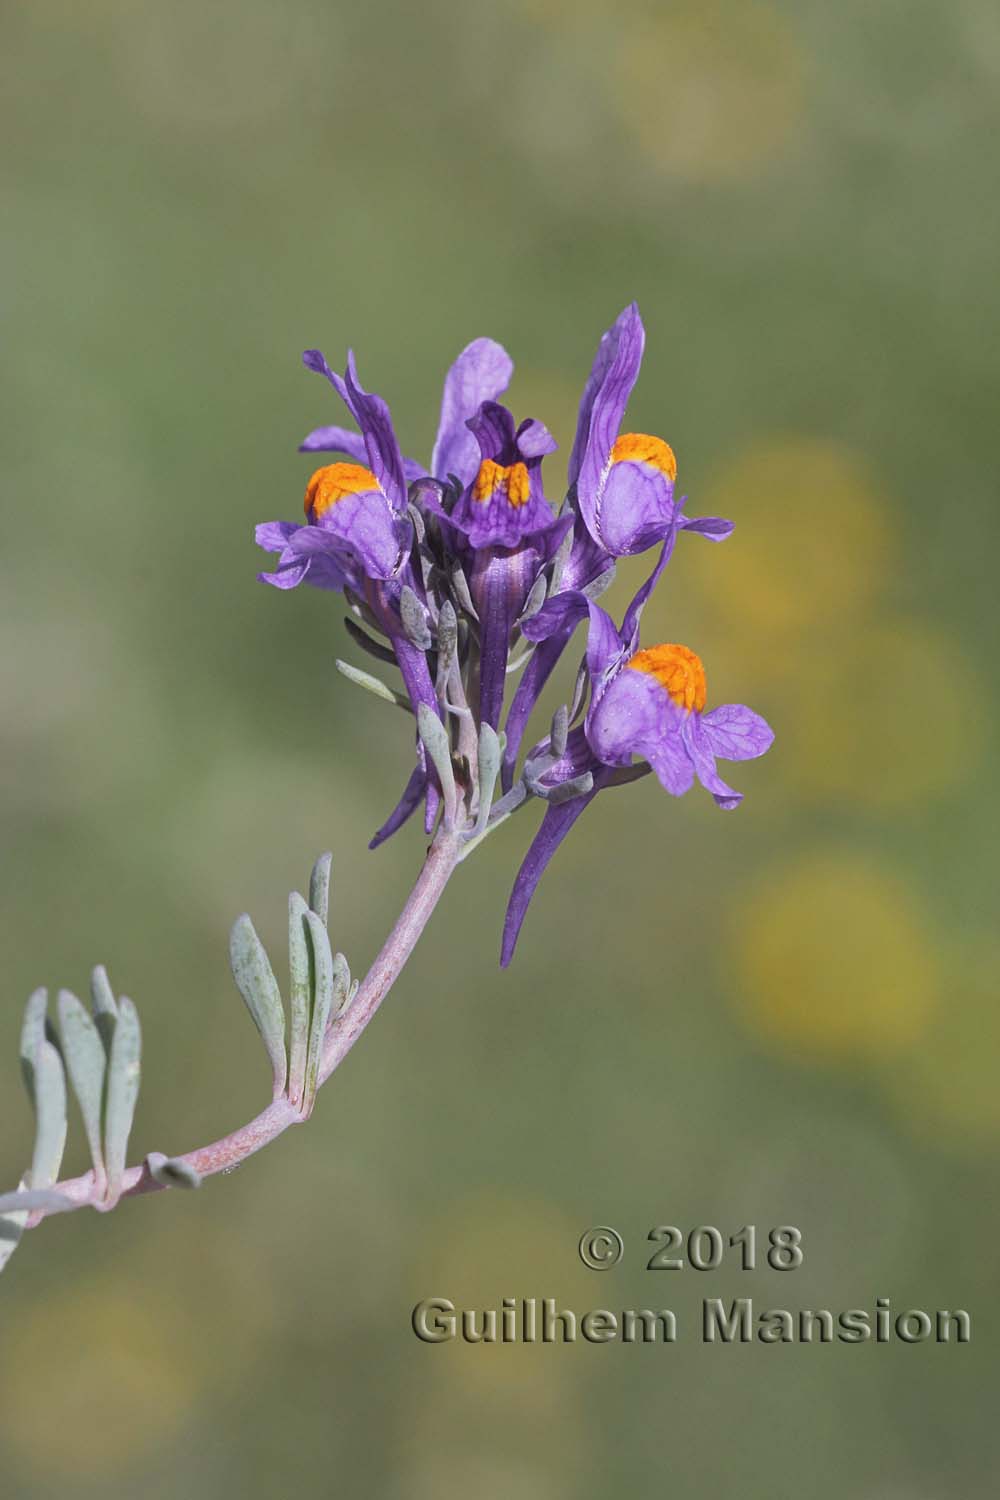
[677, 669]
[332, 483]
[512, 482]
[640, 448]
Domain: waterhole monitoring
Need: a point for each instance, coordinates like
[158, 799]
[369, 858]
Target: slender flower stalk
[467, 581]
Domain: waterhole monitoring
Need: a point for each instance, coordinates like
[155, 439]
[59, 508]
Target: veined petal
[559, 615]
[499, 581]
[342, 440]
[701, 755]
[631, 717]
[634, 508]
[372, 416]
[335, 440]
[480, 373]
[735, 732]
[273, 535]
[555, 825]
[630, 503]
[363, 526]
[713, 528]
[672, 765]
[605, 397]
[534, 440]
[287, 575]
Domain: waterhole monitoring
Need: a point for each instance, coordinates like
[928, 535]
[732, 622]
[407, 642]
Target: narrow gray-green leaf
[50, 1116]
[86, 1063]
[171, 1171]
[535, 599]
[438, 747]
[122, 1092]
[322, 966]
[373, 685]
[577, 786]
[256, 983]
[414, 618]
[11, 1229]
[103, 1004]
[33, 1199]
[319, 888]
[344, 990]
[12, 1224]
[489, 770]
[33, 1030]
[460, 587]
[299, 995]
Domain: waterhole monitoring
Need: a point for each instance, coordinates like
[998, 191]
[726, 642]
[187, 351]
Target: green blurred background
[786, 1015]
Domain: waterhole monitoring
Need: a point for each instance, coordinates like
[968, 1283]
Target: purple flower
[503, 531]
[625, 481]
[357, 526]
[648, 703]
[621, 494]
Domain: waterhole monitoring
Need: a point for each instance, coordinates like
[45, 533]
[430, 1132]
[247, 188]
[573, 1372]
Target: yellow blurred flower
[93, 1379]
[947, 1087]
[831, 958]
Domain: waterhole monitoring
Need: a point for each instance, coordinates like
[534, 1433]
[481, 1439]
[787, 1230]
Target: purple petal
[673, 767]
[700, 751]
[372, 416]
[555, 825]
[534, 440]
[480, 373]
[492, 426]
[273, 535]
[633, 510]
[364, 525]
[735, 732]
[630, 717]
[714, 528]
[335, 440]
[499, 583]
[342, 440]
[562, 612]
[288, 576]
[605, 397]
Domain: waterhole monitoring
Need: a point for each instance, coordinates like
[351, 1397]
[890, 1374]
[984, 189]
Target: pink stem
[225, 1154]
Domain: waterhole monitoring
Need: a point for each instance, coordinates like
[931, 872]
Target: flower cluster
[450, 571]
